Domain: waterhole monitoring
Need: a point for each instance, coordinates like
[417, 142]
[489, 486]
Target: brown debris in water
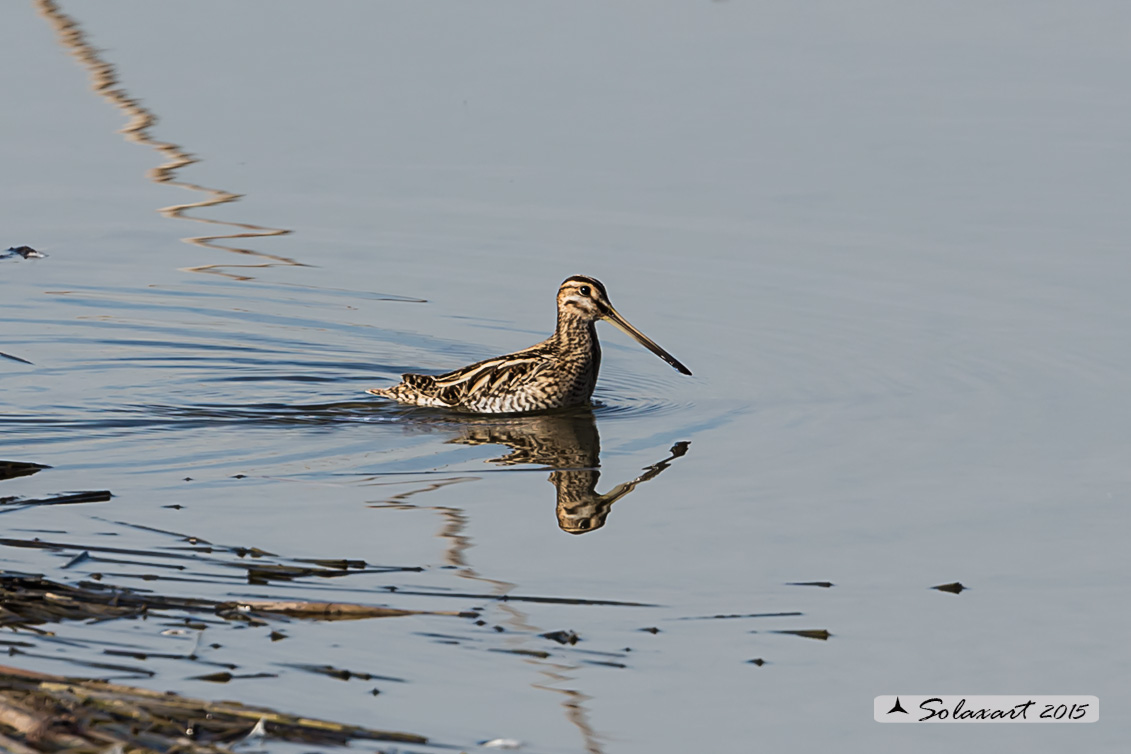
[41, 712]
[342, 674]
[741, 615]
[63, 498]
[605, 663]
[16, 358]
[562, 637]
[954, 587]
[329, 610]
[337, 564]
[13, 469]
[808, 633]
[225, 676]
[26, 252]
[28, 600]
[525, 652]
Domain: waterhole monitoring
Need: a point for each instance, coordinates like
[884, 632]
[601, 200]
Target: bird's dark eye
[584, 290]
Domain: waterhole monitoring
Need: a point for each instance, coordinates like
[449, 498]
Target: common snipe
[560, 371]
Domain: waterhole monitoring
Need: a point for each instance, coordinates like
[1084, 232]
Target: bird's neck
[575, 331]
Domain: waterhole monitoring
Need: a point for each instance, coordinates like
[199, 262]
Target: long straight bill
[614, 316]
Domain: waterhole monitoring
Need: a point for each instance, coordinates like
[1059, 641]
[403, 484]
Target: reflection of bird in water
[570, 445]
[559, 372]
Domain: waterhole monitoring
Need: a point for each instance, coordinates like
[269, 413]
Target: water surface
[889, 241]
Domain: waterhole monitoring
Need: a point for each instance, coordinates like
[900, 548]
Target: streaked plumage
[559, 372]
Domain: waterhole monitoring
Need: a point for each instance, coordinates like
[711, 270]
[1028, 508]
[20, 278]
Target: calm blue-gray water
[891, 241]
